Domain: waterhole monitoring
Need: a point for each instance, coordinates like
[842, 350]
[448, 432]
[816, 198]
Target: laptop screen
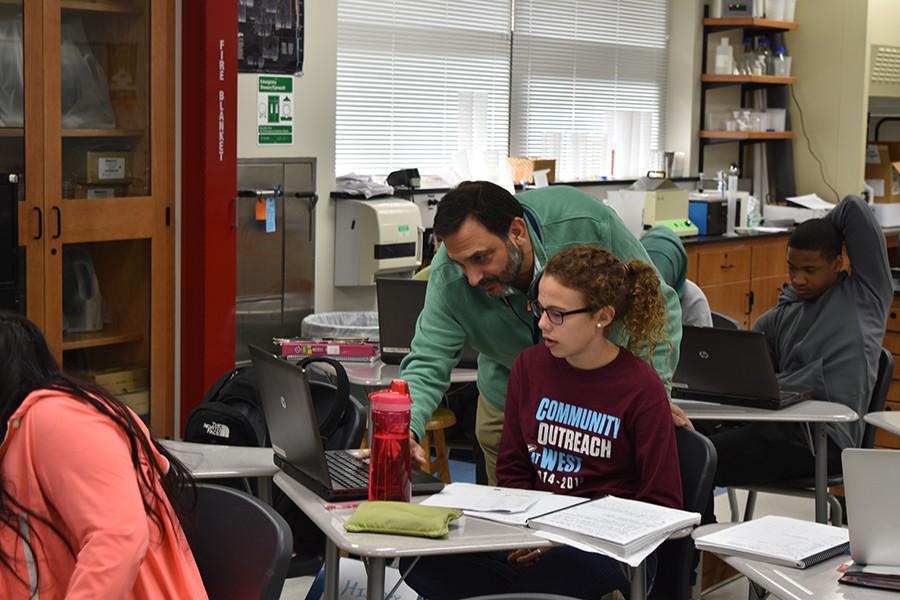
[726, 362]
[290, 414]
[399, 303]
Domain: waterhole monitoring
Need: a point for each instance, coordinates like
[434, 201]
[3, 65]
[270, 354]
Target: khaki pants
[488, 427]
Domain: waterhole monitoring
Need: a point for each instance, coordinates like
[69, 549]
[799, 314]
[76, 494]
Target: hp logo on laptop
[702, 354]
[283, 403]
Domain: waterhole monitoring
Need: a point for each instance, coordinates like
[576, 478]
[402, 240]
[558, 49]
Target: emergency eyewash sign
[275, 111]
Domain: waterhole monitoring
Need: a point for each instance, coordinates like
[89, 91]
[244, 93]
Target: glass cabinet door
[21, 216]
[102, 217]
[104, 63]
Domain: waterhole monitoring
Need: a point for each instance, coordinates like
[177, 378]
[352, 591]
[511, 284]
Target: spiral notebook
[778, 540]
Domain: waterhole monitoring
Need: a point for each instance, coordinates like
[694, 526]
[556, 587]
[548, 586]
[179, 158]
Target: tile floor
[767, 504]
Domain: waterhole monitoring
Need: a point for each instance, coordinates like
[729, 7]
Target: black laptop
[334, 475]
[399, 303]
[729, 367]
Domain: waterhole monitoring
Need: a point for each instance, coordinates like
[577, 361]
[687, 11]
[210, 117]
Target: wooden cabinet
[741, 277]
[96, 148]
[884, 439]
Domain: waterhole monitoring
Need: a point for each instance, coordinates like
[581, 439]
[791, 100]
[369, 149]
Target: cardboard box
[108, 166]
[883, 171]
[523, 168]
[139, 401]
[119, 380]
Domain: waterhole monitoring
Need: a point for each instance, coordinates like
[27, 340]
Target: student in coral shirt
[86, 494]
[584, 417]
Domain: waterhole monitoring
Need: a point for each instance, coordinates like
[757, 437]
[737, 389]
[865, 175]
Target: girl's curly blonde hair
[631, 289]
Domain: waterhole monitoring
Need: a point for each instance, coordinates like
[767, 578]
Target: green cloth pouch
[402, 518]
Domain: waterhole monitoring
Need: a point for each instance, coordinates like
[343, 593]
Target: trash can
[347, 324]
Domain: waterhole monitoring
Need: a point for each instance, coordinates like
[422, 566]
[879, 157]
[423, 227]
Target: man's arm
[436, 348]
[865, 247]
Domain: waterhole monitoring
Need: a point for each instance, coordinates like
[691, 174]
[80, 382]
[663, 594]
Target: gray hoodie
[831, 345]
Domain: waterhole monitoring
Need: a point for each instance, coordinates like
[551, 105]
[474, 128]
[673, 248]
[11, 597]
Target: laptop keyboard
[347, 471]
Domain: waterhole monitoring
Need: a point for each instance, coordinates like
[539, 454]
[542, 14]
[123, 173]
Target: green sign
[275, 110]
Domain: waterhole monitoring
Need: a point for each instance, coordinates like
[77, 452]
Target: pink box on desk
[360, 352]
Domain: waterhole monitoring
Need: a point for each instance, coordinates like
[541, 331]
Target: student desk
[818, 582]
[210, 461]
[808, 412]
[468, 534]
[887, 420]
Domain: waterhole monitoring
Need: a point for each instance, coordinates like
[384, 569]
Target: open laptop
[871, 488]
[294, 431]
[399, 303]
[729, 367]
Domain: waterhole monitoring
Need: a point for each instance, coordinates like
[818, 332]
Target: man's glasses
[556, 316]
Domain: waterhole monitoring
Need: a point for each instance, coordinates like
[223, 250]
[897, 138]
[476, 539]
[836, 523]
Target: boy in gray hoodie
[825, 336]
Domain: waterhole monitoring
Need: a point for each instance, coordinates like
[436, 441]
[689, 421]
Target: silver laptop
[872, 486]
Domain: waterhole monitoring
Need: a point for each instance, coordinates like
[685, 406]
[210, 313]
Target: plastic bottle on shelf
[748, 57]
[724, 58]
[780, 62]
[765, 57]
[390, 467]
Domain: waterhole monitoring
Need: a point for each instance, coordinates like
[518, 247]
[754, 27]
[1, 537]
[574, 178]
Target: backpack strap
[335, 417]
[219, 384]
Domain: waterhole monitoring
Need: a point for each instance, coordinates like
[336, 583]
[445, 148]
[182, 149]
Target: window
[418, 80]
[588, 84]
[583, 81]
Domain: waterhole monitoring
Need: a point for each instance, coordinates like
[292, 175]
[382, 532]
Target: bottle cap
[389, 401]
[400, 386]
[779, 49]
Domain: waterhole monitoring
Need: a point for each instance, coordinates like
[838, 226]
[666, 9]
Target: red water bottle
[390, 468]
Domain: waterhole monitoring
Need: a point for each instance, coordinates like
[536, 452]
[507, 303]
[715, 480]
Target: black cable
[809, 147]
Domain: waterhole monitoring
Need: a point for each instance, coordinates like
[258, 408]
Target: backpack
[232, 414]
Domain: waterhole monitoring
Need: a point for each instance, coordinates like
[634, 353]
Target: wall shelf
[746, 135]
[11, 132]
[749, 23]
[742, 79]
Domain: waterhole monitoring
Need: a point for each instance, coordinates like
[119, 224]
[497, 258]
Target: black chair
[806, 486]
[721, 321]
[697, 459]
[242, 546]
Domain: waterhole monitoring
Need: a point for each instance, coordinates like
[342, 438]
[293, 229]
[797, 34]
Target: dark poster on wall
[270, 36]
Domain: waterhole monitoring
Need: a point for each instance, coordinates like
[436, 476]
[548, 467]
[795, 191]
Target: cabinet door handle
[40, 223]
[58, 222]
[727, 267]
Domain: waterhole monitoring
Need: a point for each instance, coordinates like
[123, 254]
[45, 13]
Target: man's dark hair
[819, 235]
[493, 206]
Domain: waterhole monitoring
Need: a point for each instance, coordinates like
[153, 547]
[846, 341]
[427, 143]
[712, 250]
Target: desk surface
[808, 411]
[467, 534]
[818, 582]
[208, 461]
[887, 420]
[377, 373]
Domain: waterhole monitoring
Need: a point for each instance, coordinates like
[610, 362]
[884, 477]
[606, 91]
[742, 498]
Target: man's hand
[679, 416]
[416, 452]
[526, 558]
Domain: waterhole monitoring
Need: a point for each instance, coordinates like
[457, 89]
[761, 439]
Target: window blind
[589, 84]
[418, 80]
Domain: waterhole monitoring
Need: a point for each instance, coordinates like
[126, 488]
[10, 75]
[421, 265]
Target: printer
[664, 203]
[375, 237]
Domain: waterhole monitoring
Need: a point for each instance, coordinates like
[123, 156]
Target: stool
[434, 436]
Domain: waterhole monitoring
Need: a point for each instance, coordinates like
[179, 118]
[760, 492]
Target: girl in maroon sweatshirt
[584, 417]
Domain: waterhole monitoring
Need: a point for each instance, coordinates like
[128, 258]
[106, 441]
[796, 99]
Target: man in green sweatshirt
[494, 248]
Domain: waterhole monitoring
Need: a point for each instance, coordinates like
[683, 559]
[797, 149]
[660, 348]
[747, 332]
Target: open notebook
[627, 530]
[778, 540]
